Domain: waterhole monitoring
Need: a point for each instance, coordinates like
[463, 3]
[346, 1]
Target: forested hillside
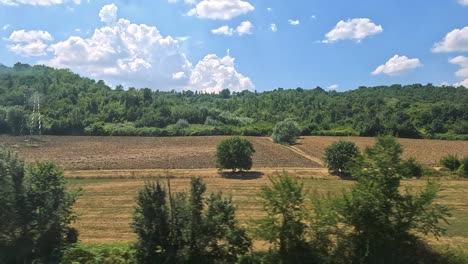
[70, 104]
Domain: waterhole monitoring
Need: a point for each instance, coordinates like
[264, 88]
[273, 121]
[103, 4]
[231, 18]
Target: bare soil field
[106, 205]
[99, 153]
[426, 151]
[121, 153]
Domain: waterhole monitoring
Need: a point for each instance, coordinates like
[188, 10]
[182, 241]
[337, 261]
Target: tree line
[74, 105]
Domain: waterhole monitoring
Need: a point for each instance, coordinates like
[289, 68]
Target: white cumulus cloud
[397, 65]
[456, 40]
[463, 2]
[5, 27]
[463, 83]
[213, 74]
[461, 61]
[294, 22]
[108, 14]
[37, 2]
[333, 87]
[139, 55]
[354, 29]
[243, 29]
[29, 43]
[221, 9]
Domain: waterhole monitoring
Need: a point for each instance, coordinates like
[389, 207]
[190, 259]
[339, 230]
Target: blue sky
[242, 44]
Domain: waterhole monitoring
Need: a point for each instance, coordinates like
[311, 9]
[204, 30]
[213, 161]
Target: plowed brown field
[117, 153]
[109, 153]
[428, 152]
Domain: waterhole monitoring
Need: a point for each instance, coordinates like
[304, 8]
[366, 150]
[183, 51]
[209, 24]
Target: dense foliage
[376, 222]
[183, 228]
[35, 212]
[71, 104]
[286, 132]
[339, 156]
[234, 154]
[284, 226]
[454, 164]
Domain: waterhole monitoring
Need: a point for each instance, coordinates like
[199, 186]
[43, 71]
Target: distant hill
[70, 104]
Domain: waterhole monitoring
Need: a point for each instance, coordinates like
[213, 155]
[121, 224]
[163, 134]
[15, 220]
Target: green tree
[49, 209]
[286, 132]
[36, 212]
[284, 226]
[151, 224]
[339, 156]
[234, 154]
[382, 220]
[187, 229]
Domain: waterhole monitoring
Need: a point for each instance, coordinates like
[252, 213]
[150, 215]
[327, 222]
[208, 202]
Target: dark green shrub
[463, 169]
[286, 132]
[411, 168]
[340, 155]
[450, 162]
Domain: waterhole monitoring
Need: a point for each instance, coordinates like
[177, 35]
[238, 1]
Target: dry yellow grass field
[106, 205]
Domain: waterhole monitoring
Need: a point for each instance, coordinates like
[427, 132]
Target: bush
[286, 132]
[339, 156]
[463, 169]
[234, 154]
[411, 168]
[450, 162]
[181, 124]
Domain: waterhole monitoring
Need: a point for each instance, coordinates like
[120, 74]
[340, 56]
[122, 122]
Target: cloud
[354, 29]
[461, 61]
[5, 27]
[138, 55]
[462, 83]
[294, 22]
[221, 9]
[273, 28]
[108, 14]
[223, 30]
[463, 2]
[333, 87]
[29, 43]
[397, 65]
[190, 2]
[456, 40]
[243, 29]
[37, 2]
[213, 74]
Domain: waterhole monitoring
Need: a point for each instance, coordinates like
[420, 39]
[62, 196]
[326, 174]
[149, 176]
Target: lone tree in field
[286, 132]
[339, 156]
[234, 154]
